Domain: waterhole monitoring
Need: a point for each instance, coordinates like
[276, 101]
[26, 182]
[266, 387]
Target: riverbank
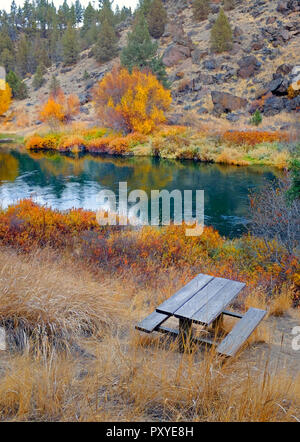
[239, 148]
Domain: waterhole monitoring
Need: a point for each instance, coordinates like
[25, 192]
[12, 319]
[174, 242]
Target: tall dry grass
[42, 299]
[121, 375]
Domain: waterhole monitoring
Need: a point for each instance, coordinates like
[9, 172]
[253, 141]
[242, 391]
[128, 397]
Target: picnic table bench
[203, 301]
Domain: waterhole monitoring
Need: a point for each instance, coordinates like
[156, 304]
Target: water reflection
[64, 182]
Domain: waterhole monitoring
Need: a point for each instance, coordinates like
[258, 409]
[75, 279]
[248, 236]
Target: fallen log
[6, 140]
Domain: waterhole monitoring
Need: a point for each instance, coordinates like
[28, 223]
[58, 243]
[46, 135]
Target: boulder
[249, 65]
[174, 119]
[210, 64]
[274, 105]
[286, 7]
[284, 69]
[197, 55]
[225, 102]
[175, 53]
[293, 104]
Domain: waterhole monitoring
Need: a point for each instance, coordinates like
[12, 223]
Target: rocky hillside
[256, 73]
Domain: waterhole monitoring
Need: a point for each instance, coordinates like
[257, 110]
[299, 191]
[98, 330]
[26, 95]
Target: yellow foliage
[52, 111]
[5, 98]
[131, 102]
[60, 108]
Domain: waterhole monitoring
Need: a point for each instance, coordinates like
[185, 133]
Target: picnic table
[203, 301]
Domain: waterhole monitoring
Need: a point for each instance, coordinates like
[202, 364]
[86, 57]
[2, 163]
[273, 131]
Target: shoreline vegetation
[240, 148]
[150, 253]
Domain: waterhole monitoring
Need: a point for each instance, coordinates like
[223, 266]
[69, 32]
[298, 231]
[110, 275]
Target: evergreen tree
[201, 9]
[7, 59]
[78, 11]
[106, 13]
[140, 50]
[18, 87]
[22, 56]
[144, 7]
[106, 45]
[54, 87]
[159, 69]
[38, 79]
[70, 46]
[89, 29]
[157, 19]
[221, 34]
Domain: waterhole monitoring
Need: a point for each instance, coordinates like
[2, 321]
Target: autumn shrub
[148, 251]
[294, 90]
[71, 142]
[231, 156]
[5, 98]
[131, 102]
[253, 137]
[59, 109]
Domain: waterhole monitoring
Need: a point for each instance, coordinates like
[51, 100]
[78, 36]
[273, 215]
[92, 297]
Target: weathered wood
[218, 303]
[175, 333]
[201, 298]
[233, 314]
[217, 324]
[185, 335]
[184, 294]
[2, 339]
[151, 322]
[6, 140]
[241, 332]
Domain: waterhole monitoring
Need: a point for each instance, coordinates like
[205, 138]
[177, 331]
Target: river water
[63, 182]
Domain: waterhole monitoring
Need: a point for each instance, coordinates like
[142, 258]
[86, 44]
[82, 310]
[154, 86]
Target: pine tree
[70, 45]
[144, 7]
[221, 34]
[157, 19]
[106, 45]
[201, 9]
[106, 13]
[78, 11]
[18, 87]
[159, 69]
[7, 59]
[22, 56]
[140, 50]
[38, 79]
[54, 87]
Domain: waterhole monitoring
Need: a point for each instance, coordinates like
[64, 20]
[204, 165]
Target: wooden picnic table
[203, 301]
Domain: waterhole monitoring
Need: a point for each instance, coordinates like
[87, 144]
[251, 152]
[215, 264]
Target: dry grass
[42, 298]
[131, 377]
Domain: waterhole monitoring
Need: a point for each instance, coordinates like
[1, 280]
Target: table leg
[217, 324]
[185, 335]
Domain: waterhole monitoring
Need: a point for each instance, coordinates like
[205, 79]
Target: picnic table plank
[241, 332]
[184, 294]
[201, 298]
[152, 321]
[210, 311]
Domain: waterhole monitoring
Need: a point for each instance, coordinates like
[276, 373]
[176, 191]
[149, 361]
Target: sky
[5, 4]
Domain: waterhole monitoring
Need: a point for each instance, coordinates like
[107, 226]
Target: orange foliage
[112, 144]
[253, 137]
[5, 98]
[60, 108]
[294, 90]
[131, 102]
[149, 250]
